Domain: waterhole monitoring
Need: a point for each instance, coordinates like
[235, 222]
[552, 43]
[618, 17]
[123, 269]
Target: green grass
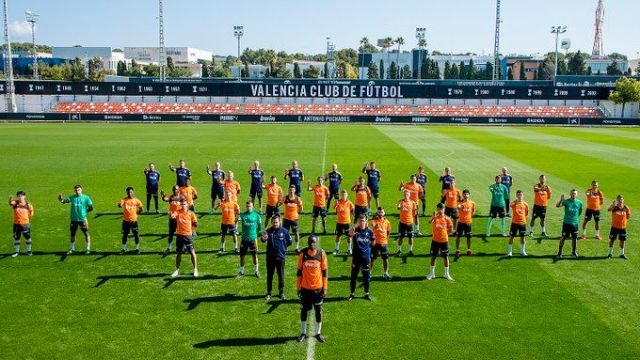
[111, 306]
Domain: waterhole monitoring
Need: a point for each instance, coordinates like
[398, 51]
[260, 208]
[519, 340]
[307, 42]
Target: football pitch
[105, 305]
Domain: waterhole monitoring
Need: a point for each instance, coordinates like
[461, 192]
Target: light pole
[331, 59]
[238, 32]
[161, 51]
[11, 92]
[421, 34]
[557, 30]
[32, 18]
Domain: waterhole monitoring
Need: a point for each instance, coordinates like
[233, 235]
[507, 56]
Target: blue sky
[456, 26]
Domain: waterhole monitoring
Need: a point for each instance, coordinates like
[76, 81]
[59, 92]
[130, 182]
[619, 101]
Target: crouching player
[22, 214]
[441, 226]
[620, 214]
[312, 285]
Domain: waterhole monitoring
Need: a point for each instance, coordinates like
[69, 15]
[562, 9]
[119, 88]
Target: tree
[627, 90]
[406, 72]
[510, 74]
[472, 72]
[463, 71]
[447, 70]
[455, 71]
[327, 74]
[393, 71]
[269, 58]
[171, 67]
[388, 43]
[366, 46]
[577, 64]
[134, 70]
[372, 72]
[399, 41]
[425, 68]
[488, 71]
[76, 71]
[205, 69]
[523, 74]
[589, 71]
[247, 73]
[121, 68]
[613, 69]
[296, 71]
[381, 69]
[311, 72]
[151, 70]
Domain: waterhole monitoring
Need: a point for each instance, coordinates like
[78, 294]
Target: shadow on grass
[103, 279]
[158, 237]
[193, 303]
[242, 342]
[99, 215]
[170, 281]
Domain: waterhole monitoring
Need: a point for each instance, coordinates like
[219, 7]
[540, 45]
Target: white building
[109, 57]
[180, 55]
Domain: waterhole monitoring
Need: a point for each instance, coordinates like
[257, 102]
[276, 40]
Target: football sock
[622, 251]
[502, 225]
[611, 250]
[242, 269]
[410, 247]
[522, 247]
[29, 245]
[255, 268]
[433, 270]
[16, 248]
[446, 271]
[509, 248]
[303, 325]
[597, 232]
[489, 222]
[318, 328]
[584, 231]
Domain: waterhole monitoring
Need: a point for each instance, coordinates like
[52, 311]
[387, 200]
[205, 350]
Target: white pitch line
[324, 148]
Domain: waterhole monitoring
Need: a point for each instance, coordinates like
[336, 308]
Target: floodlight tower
[238, 32]
[331, 59]
[10, 91]
[32, 18]
[598, 46]
[557, 30]
[163, 56]
[496, 48]
[421, 35]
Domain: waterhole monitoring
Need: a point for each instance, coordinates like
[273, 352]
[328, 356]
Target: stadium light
[557, 30]
[161, 51]
[10, 91]
[421, 34]
[238, 32]
[331, 59]
[32, 18]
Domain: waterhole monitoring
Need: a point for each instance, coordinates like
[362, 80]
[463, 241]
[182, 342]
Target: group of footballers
[367, 237]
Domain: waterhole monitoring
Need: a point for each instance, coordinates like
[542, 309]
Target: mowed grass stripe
[620, 156]
[600, 284]
[601, 135]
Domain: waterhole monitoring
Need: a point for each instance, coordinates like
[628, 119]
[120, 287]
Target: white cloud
[20, 29]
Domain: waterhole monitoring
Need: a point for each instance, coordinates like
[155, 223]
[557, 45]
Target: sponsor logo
[619, 122]
[191, 117]
[535, 121]
[35, 116]
[228, 118]
[498, 121]
[151, 117]
[382, 119]
[460, 119]
[113, 117]
[420, 119]
[268, 118]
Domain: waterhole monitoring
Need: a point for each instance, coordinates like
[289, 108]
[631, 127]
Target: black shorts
[360, 210]
[464, 229]
[496, 211]
[342, 229]
[83, 225]
[438, 248]
[451, 212]
[518, 230]
[592, 213]
[173, 225]
[152, 191]
[291, 225]
[129, 226]
[375, 191]
[334, 193]
[405, 230]
[272, 211]
[248, 246]
[618, 233]
[217, 193]
[228, 229]
[309, 298]
[184, 244]
[255, 191]
[569, 231]
[380, 250]
[539, 212]
[21, 230]
[319, 211]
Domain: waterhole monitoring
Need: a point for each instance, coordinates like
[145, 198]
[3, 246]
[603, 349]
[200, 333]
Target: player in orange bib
[274, 195]
[520, 211]
[174, 205]
[620, 214]
[542, 194]
[131, 207]
[466, 209]
[187, 223]
[232, 186]
[363, 196]
[416, 192]
[344, 209]
[189, 193]
[441, 226]
[292, 209]
[312, 279]
[595, 199]
[22, 214]
[230, 211]
[381, 231]
[408, 213]
[450, 198]
[320, 196]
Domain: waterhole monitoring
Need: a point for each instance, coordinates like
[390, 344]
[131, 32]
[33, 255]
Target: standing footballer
[186, 225]
[152, 177]
[507, 180]
[251, 227]
[381, 231]
[374, 176]
[620, 214]
[22, 214]
[335, 179]
[466, 210]
[498, 193]
[257, 183]
[131, 207]
[295, 176]
[312, 285]
[595, 199]
[362, 238]
[182, 173]
[174, 205]
[278, 240]
[572, 210]
[441, 226]
[217, 184]
[81, 204]
[320, 196]
[518, 223]
[542, 194]
[421, 178]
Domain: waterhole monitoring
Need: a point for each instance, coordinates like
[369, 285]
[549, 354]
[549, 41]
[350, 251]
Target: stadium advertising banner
[211, 118]
[359, 89]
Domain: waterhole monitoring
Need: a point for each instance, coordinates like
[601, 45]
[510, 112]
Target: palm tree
[422, 43]
[363, 43]
[270, 57]
[388, 43]
[400, 42]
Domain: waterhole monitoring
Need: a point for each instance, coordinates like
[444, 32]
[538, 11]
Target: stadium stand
[329, 109]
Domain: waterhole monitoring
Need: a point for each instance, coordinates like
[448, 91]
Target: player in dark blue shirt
[361, 237]
[335, 179]
[421, 178]
[257, 181]
[374, 176]
[278, 240]
[217, 188]
[295, 176]
[507, 180]
[182, 173]
[446, 178]
[153, 182]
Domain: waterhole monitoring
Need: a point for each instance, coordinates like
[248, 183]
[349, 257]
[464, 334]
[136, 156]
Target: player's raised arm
[364, 167]
[309, 188]
[559, 204]
[172, 168]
